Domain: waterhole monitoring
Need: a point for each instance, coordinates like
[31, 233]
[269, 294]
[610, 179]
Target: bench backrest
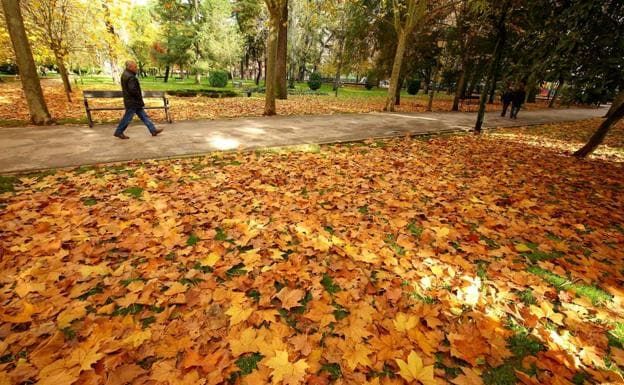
[119, 94]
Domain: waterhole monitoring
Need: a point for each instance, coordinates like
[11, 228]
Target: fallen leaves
[452, 260]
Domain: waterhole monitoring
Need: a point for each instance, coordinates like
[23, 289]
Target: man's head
[131, 66]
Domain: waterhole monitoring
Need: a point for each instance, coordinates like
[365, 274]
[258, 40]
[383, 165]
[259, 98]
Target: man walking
[507, 99]
[518, 100]
[133, 102]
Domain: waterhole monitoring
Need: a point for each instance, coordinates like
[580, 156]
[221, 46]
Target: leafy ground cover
[447, 260]
[14, 111]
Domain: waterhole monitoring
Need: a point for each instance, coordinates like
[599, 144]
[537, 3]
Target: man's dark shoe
[121, 136]
[158, 131]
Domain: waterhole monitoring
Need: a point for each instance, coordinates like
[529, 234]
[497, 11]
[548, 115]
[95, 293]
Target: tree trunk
[339, 65]
[167, 71]
[397, 95]
[23, 54]
[271, 59]
[396, 71]
[619, 99]
[65, 76]
[557, 91]
[493, 88]
[461, 84]
[432, 89]
[493, 68]
[282, 55]
[259, 73]
[602, 131]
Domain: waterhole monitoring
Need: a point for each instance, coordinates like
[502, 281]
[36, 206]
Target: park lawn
[450, 259]
[14, 111]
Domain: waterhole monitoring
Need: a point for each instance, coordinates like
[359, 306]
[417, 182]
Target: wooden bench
[117, 95]
[466, 100]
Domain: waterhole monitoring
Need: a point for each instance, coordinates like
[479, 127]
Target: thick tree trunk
[28, 72]
[271, 70]
[557, 91]
[619, 99]
[461, 85]
[396, 71]
[64, 76]
[602, 131]
[282, 55]
[397, 95]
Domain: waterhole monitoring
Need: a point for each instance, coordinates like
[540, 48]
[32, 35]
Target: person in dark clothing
[518, 100]
[507, 98]
[133, 102]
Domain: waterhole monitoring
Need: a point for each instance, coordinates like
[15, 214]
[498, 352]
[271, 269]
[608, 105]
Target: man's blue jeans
[127, 118]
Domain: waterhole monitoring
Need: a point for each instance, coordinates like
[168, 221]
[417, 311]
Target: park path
[36, 148]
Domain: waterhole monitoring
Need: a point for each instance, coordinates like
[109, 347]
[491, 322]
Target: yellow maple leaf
[522, 248]
[210, 260]
[404, 322]
[414, 370]
[290, 298]
[286, 372]
[87, 270]
[358, 355]
[238, 314]
[24, 316]
[137, 338]
[68, 316]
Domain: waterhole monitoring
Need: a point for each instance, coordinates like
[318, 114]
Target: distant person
[133, 102]
[517, 101]
[507, 98]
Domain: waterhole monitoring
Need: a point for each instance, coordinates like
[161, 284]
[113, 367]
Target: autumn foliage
[456, 260]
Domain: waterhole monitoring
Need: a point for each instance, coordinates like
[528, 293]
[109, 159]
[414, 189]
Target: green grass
[7, 183]
[595, 294]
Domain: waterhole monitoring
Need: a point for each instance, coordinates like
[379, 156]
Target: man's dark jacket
[518, 97]
[132, 96]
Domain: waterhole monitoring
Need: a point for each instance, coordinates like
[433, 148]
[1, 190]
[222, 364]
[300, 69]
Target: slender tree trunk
[259, 73]
[271, 70]
[23, 55]
[493, 88]
[493, 67]
[557, 91]
[432, 89]
[461, 84]
[396, 71]
[60, 62]
[282, 55]
[167, 71]
[397, 95]
[602, 131]
[339, 64]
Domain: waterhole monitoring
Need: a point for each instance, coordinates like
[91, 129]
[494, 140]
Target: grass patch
[328, 283]
[7, 184]
[248, 363]
[135, 192]
[595, 294]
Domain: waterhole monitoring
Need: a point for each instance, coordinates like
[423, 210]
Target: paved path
[37, 148]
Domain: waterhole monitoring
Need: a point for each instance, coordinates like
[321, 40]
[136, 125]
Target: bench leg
[167, 115]
[88, 114]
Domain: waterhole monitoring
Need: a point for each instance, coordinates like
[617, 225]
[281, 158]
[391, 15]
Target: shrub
[413, 85]
[218, 78]
[315, 81]
[371, 80]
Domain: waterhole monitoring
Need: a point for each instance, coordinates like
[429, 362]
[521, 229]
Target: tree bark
[29, 78]
[493, 67]
[461, 83]
[397, 95]
[259, 73]
[282, 55]
[619, 99]
[275, 9]
[60, 62]
[602, 131]
[557, 91]
[396, 71]
[167, 71]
